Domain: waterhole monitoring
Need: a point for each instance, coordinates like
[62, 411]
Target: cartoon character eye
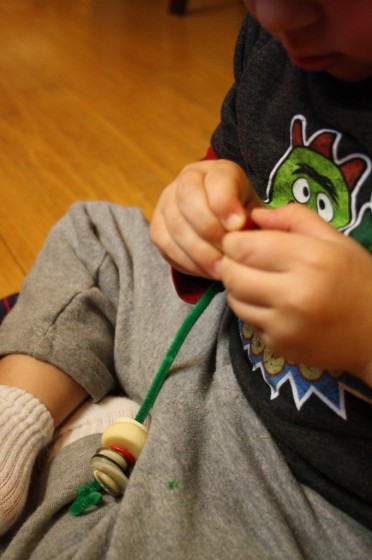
[301, 190]
[324, 207]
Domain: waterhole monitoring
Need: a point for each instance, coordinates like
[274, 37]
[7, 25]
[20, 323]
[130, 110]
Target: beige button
[126, 433]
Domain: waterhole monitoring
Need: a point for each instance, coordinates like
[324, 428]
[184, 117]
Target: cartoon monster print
[311, 173]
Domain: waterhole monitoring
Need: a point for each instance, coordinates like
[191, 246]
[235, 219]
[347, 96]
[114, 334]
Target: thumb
[294, 218]
[230, 194]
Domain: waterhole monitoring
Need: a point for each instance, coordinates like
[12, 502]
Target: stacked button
[122, 443]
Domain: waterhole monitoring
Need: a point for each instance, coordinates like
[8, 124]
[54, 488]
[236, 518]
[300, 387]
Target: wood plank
[11, 274]
[102, 100]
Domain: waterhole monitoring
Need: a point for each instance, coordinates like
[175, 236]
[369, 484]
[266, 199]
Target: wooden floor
[101, 100]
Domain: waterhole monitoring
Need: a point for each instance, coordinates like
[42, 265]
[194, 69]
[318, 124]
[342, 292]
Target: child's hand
[207, 199]
[305, 287]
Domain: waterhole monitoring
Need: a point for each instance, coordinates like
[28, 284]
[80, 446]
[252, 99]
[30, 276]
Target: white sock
[92, 418]
[26, 426]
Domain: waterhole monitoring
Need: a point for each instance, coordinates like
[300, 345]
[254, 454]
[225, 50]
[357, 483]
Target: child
[251, 453]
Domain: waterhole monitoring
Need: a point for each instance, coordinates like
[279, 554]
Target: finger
[274, 251]
[230, 194]
[192, 202]
[256, 316]
[201, 253]
[294, 218]
[254, 287]
[268, 325]
[183, 249]
[169, 250]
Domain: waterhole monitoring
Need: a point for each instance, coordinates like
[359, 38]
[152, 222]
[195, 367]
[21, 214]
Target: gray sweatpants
[210, 483]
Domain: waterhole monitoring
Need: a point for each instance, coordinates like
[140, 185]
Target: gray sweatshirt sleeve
[67, 309]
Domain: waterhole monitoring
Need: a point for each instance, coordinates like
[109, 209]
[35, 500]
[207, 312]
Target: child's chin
[350, 71]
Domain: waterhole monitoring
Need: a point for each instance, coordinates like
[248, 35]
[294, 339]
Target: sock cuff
[19, 410]
[92, 418]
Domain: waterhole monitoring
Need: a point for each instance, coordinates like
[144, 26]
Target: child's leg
[34, 397]
[90, 419]
[54, 388]
[26, 427]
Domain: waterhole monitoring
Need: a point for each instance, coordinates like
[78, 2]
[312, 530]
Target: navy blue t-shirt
[306, 138]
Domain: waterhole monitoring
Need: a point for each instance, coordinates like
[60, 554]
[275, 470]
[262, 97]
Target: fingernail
[234, 221]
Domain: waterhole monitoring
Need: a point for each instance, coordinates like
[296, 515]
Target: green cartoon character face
[310, 175]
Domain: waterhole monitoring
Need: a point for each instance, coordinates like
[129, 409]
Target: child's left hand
[305, 287]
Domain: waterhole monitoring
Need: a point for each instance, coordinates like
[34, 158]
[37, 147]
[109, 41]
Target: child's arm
[207, 199]
[305, 287]
[54, 388]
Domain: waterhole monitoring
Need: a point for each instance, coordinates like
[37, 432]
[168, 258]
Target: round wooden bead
[126, 433]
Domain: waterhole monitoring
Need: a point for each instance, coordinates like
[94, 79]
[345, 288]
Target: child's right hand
[205, 201]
